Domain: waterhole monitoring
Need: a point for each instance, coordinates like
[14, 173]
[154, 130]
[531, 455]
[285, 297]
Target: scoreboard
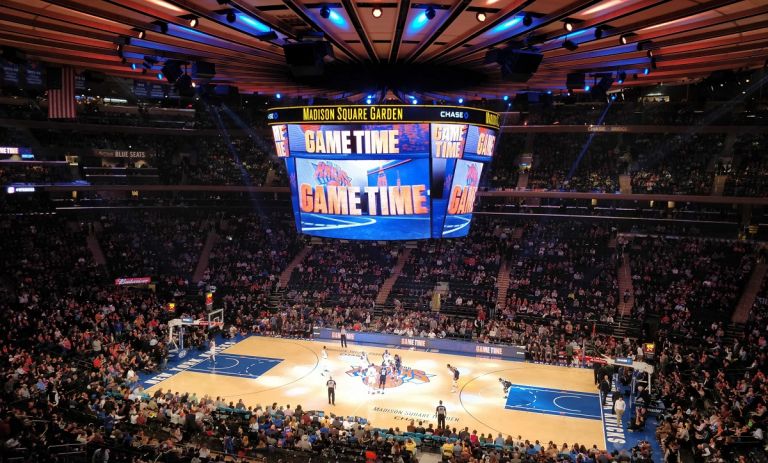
[384, 172]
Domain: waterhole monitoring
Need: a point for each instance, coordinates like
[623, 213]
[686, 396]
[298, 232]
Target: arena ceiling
[686, 40]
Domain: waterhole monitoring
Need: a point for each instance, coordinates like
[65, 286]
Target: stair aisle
[389, 283]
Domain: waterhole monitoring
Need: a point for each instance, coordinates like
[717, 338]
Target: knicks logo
[473, 178]
[394, 379]
[328, 173]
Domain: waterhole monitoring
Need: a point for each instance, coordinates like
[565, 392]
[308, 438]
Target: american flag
[61, 101]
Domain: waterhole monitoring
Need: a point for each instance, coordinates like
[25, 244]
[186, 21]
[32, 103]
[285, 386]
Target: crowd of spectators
[74, 342]
[341, 274]
[682, 164]
[468, 266]
[748, 170]
[154, 244]
[596, 162]
[683, 279]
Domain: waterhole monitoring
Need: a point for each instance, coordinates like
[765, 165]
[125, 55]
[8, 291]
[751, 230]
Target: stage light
[159, 76]
[461, 100]
[414, 101]
[194, 84]
[624, 39]
[653, 63]
[430, 13]
[568, 25]
[613, 97]
[231, 16]
[527, 19]
[506, 97]
[368, 101]
[622, 77]
[646, 71]
[599, 30]
[278, 96]
[376, 12]
[325, 12]
[481, 17]
[119, 47]
[140, 34]
[570, 45]
[193, 22]
[133, 66]
[587, 88]
[163, 26]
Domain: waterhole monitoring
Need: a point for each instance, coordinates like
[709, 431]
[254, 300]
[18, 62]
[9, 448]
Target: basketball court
[544, 402]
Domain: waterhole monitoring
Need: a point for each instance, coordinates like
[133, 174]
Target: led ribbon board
[384, 172]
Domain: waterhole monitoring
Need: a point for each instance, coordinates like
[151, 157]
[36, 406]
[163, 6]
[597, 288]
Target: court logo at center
[394, 378]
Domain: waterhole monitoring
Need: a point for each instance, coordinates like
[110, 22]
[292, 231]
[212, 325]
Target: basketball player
[398, 363]
[212, 351]
[370, 379]
[324, 362]
[383, 377]
[386, 356]
[456, 374]
[506, 385]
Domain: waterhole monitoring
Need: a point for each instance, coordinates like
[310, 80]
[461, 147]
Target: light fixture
[163, 26]
[140, 34]
[506, 97]
[625, 38]
[568, 25]
[527, 19]
[414, 101]
[278, 96]
[430, 13]
[325, 12]
[133, 66]
[368, 101]
[193, 22]
[481, 17]
[461, 100]
[376, 12]
[599, 30]
[650, 53]
[159, 76]
[587, 88]
[570, 45]
[119, 47]
[622, 77]
[646, 71]
[231, 16]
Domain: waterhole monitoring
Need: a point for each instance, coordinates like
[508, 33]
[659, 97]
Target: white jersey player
[324, 362]
[370, 378]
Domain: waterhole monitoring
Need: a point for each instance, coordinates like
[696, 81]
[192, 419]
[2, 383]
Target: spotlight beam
[450, 18]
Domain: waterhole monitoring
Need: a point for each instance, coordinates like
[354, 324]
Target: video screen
[383, 181]
[364, 199]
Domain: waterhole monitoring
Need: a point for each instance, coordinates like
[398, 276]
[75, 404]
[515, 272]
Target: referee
[441, 412]
[343, 336]
[331, 390]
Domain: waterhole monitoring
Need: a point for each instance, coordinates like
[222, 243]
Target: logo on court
[406, 375]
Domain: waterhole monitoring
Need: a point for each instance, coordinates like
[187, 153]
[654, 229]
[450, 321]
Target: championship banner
[11, 73]
[33, 75]
[133, 281]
